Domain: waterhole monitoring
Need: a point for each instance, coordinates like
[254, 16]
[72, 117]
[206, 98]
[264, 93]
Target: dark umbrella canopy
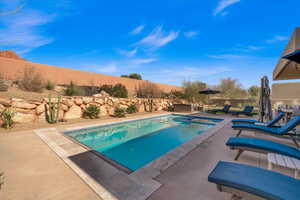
[265, 107]
[295, 56]
[209, 91]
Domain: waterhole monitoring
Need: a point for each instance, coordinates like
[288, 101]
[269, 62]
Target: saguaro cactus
[52, 110]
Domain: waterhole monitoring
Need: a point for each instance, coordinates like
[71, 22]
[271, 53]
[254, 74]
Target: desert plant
[7, 118]
[3, 85]
[1, 179]
[49, 85]
[91, 112]
[73, 90]
[119, 112]
[52, 110]
[117, 90]
[120, 91]
[131, 109]
[149, 91]
[31, 80]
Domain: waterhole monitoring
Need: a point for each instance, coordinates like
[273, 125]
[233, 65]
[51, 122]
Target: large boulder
[103, 111]
[40, 109]
[23, 105]
[78, 101]
[5, 102]
[87, 100]
[73, 113]
[24, 118]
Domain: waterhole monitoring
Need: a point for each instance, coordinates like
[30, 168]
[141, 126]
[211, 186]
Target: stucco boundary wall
[28, 111]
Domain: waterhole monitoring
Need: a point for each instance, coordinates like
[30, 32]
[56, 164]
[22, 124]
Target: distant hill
[12, 67]
[10, 54]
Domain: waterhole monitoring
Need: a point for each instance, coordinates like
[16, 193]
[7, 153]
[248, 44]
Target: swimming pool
[136, 143]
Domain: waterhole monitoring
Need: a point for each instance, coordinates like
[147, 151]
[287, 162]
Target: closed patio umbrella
[265, 107]
[208, 91]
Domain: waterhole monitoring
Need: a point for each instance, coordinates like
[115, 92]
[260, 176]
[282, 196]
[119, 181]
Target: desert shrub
[117, 90]
[91, 112]
[133, 76]
[107, 88]
[31, 80]
[120, 91]
[3, 85]
[1, 179]
[73, 90]
[170, 108]
[7, 118]
[119, 112]
[131, 109]
[49, 85]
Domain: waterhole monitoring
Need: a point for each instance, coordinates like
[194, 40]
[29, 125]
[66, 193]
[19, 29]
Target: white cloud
[137, 30]
[277, 38]
[140, 61]
[108, 68]
[227, 56]
[22, 32]
[158, 38]
[191, 34]
[130, 53]
[222, 5]
[248, 48]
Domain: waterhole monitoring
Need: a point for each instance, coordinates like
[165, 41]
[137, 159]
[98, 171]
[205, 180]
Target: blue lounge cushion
[265, 145]
[260, 182]
[249, 121]
[272, 130]
[245, 121]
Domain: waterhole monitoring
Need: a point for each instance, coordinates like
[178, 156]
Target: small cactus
[52, 110]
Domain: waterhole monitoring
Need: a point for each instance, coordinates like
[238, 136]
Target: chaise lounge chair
[269, 124]
[247, 111]
[224, 110]
[285, 131]
[261, 146]
[249, 182]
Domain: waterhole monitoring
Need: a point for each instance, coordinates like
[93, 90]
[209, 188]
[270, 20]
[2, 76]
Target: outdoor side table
[284, 161]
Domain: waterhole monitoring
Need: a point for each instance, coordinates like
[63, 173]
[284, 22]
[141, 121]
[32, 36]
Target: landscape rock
[87, 100]
[40, 109]
[73, 113]
[23, 105]
[103, 111]
[5, 102]
[24, 118]
[98, 100]
[78, 101]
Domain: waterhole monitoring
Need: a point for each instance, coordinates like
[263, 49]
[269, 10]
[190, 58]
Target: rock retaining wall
[72, 107]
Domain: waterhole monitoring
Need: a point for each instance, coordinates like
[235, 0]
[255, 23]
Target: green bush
[3, 85]
[91, 112]
[1, 179]
[120, 91]
[7, 118]
[49, 85]
[73, 90]
[31, 80]
[117, 90]
[119, 112]
[131, 109]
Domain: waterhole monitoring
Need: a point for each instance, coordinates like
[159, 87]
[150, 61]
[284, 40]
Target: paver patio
[33, 171]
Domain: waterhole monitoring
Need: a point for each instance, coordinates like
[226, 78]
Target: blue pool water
[135, 144]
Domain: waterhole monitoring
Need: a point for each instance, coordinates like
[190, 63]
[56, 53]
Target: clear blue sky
[166, 41]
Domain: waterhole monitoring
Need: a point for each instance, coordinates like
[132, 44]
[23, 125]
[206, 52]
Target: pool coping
[143, 178]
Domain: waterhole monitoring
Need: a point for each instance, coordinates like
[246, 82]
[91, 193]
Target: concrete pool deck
[33, 171]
